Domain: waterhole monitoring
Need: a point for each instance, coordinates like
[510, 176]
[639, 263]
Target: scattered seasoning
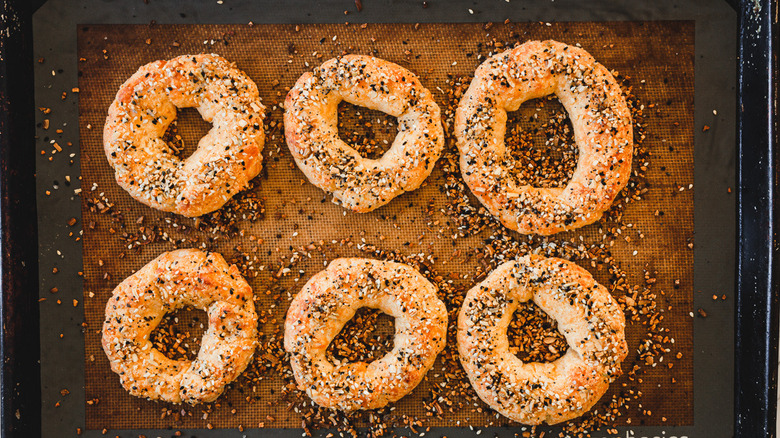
[533, 335]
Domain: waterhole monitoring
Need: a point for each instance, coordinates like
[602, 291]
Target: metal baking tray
[735, 347]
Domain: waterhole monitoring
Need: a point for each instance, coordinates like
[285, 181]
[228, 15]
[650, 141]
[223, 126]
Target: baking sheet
[655, 59]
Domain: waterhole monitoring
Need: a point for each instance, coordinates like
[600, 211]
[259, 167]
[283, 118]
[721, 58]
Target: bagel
[227, 158]
[587, 316]
[602, 132]
[310, 126]
[330, 299]
[185, 277]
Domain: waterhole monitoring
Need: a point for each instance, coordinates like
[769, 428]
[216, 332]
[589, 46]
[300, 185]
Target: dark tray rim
[757, 267]
[756, 348]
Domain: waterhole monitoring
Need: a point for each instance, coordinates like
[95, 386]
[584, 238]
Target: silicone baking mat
[283, 230]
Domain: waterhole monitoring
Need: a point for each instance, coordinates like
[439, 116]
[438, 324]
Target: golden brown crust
[185, 277]
[602, 131]
[227, 158]
[587, 316]
[310, 126]
[330, 299]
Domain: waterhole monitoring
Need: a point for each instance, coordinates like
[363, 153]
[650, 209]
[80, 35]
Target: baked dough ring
[602, 131]
[588, 317]
[310, 126]
[227, 158]
[330, 299]
[185, 277]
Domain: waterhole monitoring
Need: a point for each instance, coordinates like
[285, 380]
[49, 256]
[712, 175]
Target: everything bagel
[185, 277]
[227, 158]
[330, 299]
[588, 317]
[602, 132]
[310, 126]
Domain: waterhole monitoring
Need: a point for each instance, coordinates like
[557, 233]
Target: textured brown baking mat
[284, 229]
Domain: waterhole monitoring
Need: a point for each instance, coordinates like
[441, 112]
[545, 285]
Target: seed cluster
[369, 132]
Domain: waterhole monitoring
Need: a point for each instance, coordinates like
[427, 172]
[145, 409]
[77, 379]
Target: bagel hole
[534, 336]
[369, 132]
[179, 333]
[184, 133]
[365, 338]
[540, 139]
